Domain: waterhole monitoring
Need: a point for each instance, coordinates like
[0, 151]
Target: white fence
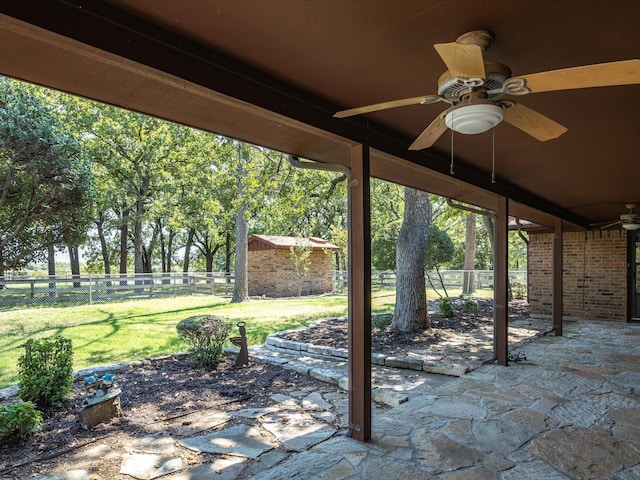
[82, 289]
[452, 279]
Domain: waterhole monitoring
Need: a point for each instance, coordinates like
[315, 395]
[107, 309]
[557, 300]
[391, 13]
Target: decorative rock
[256, 412]
[266, 460]
[314, 401]
[326, 375]
[404, 362]
[388, 397]
[453, 370]
[239, 440]
[228, 468]
[296, 431]
[148, 467]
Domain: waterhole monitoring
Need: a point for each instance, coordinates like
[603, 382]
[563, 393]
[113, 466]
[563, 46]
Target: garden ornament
[241, 341]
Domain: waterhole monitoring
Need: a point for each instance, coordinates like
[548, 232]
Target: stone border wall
[276, 343]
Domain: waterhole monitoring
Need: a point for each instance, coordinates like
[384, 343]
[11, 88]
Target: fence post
[90, 290]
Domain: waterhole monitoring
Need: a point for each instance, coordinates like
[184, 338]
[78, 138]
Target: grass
[110, 333]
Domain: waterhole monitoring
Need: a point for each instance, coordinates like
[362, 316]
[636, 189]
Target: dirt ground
[170, 388]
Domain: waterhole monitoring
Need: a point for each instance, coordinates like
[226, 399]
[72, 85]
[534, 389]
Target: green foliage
[445, 307]
[470, 306]
[205, 334]
[19, 419]
[381, 321]
[518, 290]
[439, 248]
[45, 180]
[46, 371]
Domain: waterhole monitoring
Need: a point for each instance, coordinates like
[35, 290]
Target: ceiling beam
[108, 28]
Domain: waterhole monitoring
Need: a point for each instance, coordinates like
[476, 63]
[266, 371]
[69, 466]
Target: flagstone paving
[570, 411]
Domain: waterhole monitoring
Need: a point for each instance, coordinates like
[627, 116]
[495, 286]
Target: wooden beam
[359, 296]
[557, 277]
[501, 273]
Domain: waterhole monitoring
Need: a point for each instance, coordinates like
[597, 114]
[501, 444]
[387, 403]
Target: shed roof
[278, 241]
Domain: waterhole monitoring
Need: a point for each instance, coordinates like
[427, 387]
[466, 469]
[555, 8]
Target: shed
[271, 270]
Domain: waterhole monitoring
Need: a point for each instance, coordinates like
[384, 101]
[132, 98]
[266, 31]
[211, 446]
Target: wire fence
[88, 289]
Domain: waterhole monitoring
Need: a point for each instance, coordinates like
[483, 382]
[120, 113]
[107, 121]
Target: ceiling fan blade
[626, 72]
[610, 224]
[430, 134]
[385, 105]
[462, 59]
[535, 124]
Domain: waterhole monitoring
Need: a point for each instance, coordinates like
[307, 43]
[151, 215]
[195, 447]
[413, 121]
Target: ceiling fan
[629, 221]
[475, 89]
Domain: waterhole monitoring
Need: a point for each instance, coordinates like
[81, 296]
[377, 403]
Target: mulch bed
[333, 332]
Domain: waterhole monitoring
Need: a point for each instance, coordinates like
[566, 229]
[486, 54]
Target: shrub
[19, 419]
[381, 321]
[470, 306]
[205, 334]
[446, 308]
[46, 371]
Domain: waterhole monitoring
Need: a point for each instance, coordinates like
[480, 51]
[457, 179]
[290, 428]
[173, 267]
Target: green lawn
[110, 333]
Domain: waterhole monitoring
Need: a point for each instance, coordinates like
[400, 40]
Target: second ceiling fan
[475, 89]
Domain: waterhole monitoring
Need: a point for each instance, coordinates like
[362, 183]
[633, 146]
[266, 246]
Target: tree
[469, 280]
[45, 183]
[410, 314]
[241, 287]
[440, 251]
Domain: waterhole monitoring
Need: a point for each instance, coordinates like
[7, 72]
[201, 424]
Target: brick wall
[271, 273]
[594, 274]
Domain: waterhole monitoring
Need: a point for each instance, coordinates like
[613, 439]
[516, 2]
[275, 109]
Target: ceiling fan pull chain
[493, 155]
[451, 165]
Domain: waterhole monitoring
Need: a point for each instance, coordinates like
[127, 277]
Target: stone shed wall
[271, 273]
[594, 274]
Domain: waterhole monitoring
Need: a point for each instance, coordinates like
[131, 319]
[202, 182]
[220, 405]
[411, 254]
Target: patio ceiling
[273, 72]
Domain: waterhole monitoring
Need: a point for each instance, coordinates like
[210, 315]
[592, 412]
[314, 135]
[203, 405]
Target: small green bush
[381, 321]
[470, 306]
[205, 334]
[46, 371]
[19, 419]
[446, 308]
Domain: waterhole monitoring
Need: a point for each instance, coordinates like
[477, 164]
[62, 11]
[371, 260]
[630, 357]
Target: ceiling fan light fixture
[474, 118]
[631, 226]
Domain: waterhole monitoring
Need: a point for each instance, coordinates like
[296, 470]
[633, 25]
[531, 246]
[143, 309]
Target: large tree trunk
[227, 254]
[103, 245]
[163, 247]
[241, 287]
[124, 244]
[410, 314]
[187, 255]
[469, 279]
[51, 261]
[74, 263]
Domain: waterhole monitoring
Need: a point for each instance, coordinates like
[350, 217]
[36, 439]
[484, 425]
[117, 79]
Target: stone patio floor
[569, 411]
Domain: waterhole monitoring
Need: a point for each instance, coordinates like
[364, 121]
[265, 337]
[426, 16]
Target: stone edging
[275, 343]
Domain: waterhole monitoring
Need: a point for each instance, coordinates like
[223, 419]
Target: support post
[501, 273]
[359, 296]
[557, 277]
